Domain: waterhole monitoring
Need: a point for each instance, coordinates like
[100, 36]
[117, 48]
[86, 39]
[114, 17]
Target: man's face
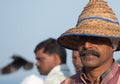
[76, 61]
[44, 62]
[95, 52]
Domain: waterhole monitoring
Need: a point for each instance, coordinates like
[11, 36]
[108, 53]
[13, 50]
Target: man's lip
[88, 56]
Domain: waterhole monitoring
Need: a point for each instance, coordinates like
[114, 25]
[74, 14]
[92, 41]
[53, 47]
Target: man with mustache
[51, 61]
[96, 37]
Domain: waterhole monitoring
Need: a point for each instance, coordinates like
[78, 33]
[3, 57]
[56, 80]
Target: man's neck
[94, 74]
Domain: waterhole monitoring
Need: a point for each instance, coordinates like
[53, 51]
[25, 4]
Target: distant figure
[51, 61]
[76, 61]
[17, 63]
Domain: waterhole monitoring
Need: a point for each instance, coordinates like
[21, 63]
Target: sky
[24, 23]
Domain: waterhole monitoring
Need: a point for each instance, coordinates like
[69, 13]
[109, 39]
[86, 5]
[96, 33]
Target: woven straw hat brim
[97, 19]
[69, 39]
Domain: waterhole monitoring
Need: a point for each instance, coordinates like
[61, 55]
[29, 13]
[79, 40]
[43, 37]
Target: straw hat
[97, 19]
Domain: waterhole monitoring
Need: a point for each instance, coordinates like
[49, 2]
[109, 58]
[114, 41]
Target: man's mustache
[89, 52]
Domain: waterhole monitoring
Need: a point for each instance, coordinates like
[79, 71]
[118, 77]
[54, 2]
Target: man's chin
[42, 73]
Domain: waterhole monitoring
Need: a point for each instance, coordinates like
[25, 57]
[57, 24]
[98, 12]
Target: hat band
[94, 17]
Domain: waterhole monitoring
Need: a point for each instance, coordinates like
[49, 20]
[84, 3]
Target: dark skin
[96, 66]
[46, 62]
[76, 61]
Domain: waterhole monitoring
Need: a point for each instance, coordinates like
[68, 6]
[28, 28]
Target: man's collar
[109, 73]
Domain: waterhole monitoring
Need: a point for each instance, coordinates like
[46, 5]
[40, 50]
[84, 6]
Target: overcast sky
[24, 23]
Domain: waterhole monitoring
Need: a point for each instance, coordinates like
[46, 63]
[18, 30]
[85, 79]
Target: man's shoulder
[76, 75]
[72, 78]
[55, 78]
[118, 71]
[32, 79]
[60, 70]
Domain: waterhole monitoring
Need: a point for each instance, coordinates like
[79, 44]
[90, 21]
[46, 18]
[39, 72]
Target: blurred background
[24, 23]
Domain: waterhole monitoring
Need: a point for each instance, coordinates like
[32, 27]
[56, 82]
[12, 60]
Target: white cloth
[57, 74]
[32, 79]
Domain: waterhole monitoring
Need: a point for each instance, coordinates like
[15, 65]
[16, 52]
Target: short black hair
[51, 46]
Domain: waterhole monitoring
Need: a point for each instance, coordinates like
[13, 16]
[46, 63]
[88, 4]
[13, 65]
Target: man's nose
[88, 45]
[37, 63]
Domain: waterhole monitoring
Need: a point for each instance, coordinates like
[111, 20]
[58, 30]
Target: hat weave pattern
[97, 19]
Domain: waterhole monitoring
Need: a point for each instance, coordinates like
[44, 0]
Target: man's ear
[115, 43]
[56, 58]
[113, 49]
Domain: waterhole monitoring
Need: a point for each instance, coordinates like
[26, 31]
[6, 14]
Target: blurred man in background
[51, 61]
[76, 61]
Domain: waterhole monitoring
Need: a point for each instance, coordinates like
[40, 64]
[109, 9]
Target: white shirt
[57, 74]
[32, 79]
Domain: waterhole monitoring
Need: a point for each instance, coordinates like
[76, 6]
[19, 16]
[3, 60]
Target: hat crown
[94, 0]
[97, 8]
